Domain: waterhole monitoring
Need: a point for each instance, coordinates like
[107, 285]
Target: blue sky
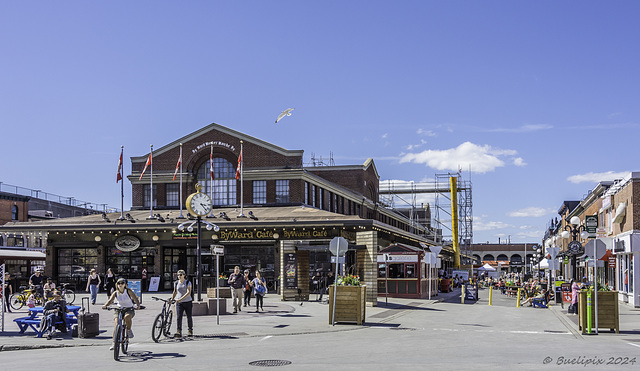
[539, 99]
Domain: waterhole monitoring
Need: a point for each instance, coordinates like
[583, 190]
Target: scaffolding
[402, 194]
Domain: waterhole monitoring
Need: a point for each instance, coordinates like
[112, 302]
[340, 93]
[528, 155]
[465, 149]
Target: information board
[154, 283]
[291, 271]
[136, 287]
[470, 292]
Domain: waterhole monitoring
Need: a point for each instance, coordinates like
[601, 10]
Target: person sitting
[541, 295]
[54, 311]
[49, 288]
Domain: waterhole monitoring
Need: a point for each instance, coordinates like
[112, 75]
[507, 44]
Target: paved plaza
[401, 334]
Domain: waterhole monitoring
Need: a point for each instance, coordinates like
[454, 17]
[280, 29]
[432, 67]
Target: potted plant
[350, 300]
[608, 312]
[222, 279]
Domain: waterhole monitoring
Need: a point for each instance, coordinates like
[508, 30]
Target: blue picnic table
[35, 318]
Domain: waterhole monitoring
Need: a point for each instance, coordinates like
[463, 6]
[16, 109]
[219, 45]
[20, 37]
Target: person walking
[575, 289]
[8, 291]
[236, 284]
[184, 304]
[93, 283]
[247, 289]
[109, 282]
[259, 290]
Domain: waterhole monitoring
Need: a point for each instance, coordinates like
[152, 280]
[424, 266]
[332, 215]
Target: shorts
[116, 312]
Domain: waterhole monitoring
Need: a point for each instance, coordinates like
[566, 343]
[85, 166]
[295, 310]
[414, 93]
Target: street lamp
[575, 248]
[189, 227]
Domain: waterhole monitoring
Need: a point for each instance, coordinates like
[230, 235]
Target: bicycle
[162, 323]
[120, 334]
[67, 294]
[19, 299]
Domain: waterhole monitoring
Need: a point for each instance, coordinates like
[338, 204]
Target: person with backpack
[259, 290]
[184, 304]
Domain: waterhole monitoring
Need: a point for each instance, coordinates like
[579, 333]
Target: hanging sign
[127, 243]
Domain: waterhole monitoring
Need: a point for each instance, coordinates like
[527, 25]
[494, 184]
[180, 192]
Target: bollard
[462, 295]
[518, 301]
[490, 295]
[589, 312]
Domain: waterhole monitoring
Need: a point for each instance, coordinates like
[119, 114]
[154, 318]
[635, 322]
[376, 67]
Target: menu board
[291, 271]
[470, 292]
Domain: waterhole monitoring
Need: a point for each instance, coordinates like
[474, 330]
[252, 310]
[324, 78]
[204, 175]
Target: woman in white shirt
[127, 300]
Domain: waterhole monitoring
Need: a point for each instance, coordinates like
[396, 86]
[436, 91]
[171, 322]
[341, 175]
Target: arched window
[488, 257]
[224, 183]
[14, 212]
[502, 257]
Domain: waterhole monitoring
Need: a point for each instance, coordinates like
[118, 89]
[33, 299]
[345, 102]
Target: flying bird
[284, 113]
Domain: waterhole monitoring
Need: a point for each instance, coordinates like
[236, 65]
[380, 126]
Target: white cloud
[415, 146]
[530, 212]
[537, 235]
[521, 129]
[518, 161]
[385, 135]
[489, 226]
[426, 133]
[596, 177]
[480, 159]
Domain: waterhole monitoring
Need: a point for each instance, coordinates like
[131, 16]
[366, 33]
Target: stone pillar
[369, 264]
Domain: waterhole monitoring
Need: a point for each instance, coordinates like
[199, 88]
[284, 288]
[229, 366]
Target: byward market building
[278, 217]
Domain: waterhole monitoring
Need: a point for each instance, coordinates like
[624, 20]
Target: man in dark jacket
[54, 311]
[236, 284]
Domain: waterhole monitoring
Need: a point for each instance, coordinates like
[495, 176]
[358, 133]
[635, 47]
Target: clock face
[201, 204]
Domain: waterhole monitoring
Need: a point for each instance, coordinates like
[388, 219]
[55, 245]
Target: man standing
[36, 281]
[236, 284]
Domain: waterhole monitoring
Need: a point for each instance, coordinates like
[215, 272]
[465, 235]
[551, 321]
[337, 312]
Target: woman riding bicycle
[126, 299]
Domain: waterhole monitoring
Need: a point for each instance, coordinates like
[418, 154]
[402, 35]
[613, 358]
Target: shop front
[402, 272]
[626, 249]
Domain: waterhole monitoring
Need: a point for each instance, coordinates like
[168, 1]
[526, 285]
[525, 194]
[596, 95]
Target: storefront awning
[21, 254]
[620, 213]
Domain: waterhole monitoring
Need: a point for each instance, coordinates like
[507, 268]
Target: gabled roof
[401, 248]
[222, 129]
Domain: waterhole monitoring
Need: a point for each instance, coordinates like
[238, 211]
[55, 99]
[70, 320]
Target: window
[282, 191]
[259, 191]
[224, 183]
[14, 212]
[147, 195]
[173, 195]
[306, 193]
[314, 195]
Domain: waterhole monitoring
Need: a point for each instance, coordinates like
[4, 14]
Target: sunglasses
[180, 274]
[120, 283]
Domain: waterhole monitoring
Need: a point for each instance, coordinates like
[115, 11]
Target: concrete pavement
[295, 318]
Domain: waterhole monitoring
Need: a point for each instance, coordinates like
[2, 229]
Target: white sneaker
[130, 333]
[111, 347]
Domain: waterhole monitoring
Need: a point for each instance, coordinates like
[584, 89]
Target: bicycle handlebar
[169, 301]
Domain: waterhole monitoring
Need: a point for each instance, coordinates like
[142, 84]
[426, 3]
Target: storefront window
[396, 270]
[74, 264]
[131, 264]
[382, 270]
[410, 271]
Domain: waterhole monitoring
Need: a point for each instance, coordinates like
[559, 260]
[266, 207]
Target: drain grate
[270, 363]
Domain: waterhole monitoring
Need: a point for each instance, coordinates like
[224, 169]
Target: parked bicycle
[162, 323]
[120, 334]
[68, 294]
[20, 299]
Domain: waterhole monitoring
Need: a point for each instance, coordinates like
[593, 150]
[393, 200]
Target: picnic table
[35, 318]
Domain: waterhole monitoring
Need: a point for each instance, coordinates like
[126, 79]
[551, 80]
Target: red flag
[211, 164]
[145, 166]
[238, 169]
[177, 167]
[119, 176]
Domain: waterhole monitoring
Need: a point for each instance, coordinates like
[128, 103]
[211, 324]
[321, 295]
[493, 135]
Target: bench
[35, 323]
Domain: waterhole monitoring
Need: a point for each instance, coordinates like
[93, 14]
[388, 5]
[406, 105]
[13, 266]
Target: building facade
[278, 217]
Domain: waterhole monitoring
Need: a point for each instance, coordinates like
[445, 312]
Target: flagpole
[122, 186]
[212, 178]
[181, 216]
[241, 183]
[151, 184]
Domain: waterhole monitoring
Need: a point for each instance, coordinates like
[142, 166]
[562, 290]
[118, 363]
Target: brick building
[290, 213]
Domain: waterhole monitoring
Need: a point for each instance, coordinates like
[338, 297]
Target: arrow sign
[338, 246]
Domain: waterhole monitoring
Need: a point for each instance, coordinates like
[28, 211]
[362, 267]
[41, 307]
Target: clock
[199, 203]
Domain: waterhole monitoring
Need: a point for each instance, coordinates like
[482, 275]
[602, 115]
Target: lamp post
[198, 222]
[573, 229]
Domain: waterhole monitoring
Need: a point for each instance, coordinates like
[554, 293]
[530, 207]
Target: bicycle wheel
[157, 328]
[69, 296]
[167, 323]
[16, 301]
[125, 340]
[117, 333]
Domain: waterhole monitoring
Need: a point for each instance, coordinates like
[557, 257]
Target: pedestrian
[109, 282]
[8, 291]
[93, 283]
[236, 284]
[36, 280]
[54, 311]
[259, 290]
[247, 289]
[575, 289]
[184, 304]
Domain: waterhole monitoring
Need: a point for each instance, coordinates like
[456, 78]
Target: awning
[620, 213]
[21, 254]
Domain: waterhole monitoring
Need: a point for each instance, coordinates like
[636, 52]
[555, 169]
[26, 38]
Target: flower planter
[608, 313]
[350, 304]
